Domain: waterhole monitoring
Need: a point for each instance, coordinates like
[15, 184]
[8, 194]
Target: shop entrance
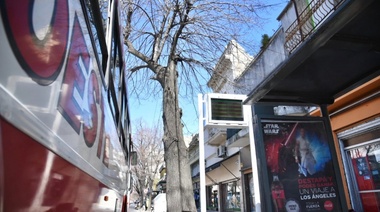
[362, 164]
[231, 196]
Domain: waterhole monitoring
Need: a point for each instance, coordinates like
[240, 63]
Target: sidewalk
[199, 210]
[142, 210]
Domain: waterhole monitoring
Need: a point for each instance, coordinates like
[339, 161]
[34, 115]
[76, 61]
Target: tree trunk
[149, 195]
[142, 195]
[179, 184]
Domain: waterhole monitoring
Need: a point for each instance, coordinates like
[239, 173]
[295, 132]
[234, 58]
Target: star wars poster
[300, 168]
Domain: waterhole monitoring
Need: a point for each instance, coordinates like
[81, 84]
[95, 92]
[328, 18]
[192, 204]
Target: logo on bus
[46, 47]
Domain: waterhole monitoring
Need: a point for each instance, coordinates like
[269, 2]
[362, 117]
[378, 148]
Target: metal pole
[334, 152]
[255, 173]
[202, 174]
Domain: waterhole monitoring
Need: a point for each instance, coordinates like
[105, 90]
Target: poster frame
[263, 175]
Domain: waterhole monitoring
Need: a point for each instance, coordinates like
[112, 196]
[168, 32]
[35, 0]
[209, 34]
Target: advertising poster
[300, 168]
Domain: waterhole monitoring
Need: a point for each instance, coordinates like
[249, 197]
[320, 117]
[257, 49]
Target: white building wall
[262, 65]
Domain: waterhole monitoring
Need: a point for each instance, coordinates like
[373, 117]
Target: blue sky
[150, 110]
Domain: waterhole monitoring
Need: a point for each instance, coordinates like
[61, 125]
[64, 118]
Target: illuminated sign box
[225, 110]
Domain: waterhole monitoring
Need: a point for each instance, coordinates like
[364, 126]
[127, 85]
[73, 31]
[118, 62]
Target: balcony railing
[193, 155]
[308, 20]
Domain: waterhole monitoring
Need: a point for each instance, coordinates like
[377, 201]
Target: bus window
[113, 104]
[95, 19]
[115, 83]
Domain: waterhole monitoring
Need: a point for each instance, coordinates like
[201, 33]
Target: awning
[343, 53]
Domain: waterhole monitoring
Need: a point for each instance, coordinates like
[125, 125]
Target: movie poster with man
[300, 167]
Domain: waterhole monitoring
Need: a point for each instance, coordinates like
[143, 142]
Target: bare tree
[177, 43]
[149, 147]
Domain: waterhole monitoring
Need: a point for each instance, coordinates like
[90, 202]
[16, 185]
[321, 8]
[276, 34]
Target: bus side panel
[51, 87]
[59, 144]
[36, 179]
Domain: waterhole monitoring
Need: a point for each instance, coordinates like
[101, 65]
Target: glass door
[232, 198]
[363, 160]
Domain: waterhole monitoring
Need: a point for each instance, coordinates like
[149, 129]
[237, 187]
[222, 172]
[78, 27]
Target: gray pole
[255, 174]
[202, 169]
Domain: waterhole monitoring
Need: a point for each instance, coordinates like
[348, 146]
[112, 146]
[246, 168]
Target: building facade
[223, 161]
[355, 122]
[327, 61]
[324, 60]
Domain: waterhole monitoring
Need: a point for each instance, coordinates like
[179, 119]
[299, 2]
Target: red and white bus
[64, 121]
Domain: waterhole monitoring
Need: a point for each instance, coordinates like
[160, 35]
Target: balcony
[340, 54]
[314, 14]
[240, 139]
[216, 136]
[193, 155]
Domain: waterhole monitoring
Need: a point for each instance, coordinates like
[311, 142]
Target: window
[95, 13]
[115, 78]
[232, 191]
[363, 159]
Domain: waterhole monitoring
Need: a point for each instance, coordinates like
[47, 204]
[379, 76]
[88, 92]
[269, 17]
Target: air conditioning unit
[221, 151]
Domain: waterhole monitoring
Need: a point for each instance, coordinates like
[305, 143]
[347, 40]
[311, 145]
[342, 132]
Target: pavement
[132, 209]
